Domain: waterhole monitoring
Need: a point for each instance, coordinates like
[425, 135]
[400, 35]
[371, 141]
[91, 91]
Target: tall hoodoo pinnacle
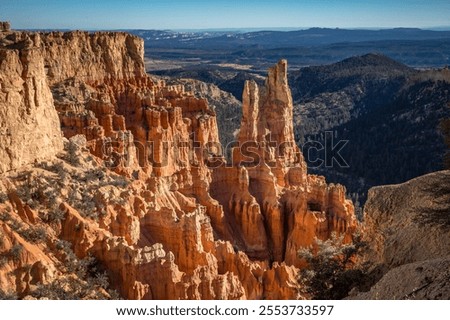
[277, 107]
[277, 84]
[267, 116]
[250, 112]
[288, 207]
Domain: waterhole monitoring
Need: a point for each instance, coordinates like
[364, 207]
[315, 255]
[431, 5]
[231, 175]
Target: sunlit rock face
[141, 184]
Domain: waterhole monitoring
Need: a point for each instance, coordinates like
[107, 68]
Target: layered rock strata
[143, 186]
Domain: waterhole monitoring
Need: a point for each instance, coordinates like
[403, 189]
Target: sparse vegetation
[73, 156]
[8, 295]
[55, 215]
[3, 258]
[5, 216]
[31, 191]
[3, 261]
[3, 197]
[84, 279]
[44, 192]
[96, 174]
[333, 268]
[15, 251]
[84, 202]
[33, 234]
[119, 181]
[15, 225]
[436, 212]
[58, 168]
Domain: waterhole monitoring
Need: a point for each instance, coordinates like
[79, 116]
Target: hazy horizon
[222, 15]
[231, 30]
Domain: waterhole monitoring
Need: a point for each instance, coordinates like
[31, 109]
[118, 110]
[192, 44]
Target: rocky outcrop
[227, 108]
[29, 124]
[5, 26]
[407, 228]
[408, 222]
[267, 118]
[142, 184]
[423, 280]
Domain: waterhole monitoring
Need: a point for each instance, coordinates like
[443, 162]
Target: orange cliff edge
[186, 224]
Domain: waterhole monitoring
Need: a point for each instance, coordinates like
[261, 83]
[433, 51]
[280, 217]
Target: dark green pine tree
[445, 127]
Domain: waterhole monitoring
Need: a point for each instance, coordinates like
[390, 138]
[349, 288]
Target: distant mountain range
[315, 46]
[277, 39]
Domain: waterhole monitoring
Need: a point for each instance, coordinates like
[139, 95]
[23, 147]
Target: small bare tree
[332, 268]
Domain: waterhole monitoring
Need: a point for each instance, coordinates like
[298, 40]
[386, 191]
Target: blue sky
[200, 14]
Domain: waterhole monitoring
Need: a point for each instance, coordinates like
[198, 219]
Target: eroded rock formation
[267, 191]
[142, 184]
[419, 208]
[407, 227]
[29, 124]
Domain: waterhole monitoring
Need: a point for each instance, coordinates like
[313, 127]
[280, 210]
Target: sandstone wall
[29, 124]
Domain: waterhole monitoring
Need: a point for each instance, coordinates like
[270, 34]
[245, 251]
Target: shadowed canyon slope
[407, 227]
[133, 176]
